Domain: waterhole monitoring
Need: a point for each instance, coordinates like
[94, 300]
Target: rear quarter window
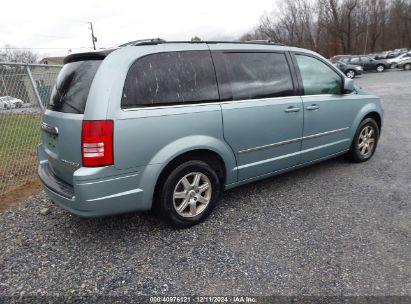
[170, 78]
[73, 84]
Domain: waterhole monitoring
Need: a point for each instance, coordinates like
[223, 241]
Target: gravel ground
[335, 228]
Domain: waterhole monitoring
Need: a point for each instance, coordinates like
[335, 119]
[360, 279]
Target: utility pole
[93, 38]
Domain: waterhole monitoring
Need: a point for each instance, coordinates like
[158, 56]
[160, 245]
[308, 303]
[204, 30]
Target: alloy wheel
[351, 74]
[366, 141]
[192, 194]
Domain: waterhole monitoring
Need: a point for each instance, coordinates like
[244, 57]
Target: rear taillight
[97, 143]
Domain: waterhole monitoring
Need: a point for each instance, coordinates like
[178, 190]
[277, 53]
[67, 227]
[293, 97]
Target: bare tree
[11, 54]
[338, 26]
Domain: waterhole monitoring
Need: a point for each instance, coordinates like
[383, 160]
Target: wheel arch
[213, 151]
[376, 116]
[369, 111]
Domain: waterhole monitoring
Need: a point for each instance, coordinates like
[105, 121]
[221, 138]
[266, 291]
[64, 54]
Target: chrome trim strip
[259, 99]
[325, 133]
[230, 186]
[115, 195]
[49, 129]
[171, 106]
[280, 143]
[285, 142]
[228, 102]
[207, 104]
[321, 95]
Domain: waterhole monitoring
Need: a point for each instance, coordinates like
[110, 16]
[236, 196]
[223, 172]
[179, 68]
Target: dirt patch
[14, 196]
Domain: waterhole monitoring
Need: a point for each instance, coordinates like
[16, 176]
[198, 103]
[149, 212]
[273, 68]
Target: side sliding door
[262, 116]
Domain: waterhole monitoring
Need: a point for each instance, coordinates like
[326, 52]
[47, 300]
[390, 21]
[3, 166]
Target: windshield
[72, 87]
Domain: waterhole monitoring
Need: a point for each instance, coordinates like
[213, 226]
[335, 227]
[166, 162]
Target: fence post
[33, 84]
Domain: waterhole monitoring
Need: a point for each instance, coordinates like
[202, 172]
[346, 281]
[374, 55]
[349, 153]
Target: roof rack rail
[156, 41]
[151, 41]
[264, 41]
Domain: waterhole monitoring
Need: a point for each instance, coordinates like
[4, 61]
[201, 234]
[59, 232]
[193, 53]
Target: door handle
[313, 107]
[292, 109]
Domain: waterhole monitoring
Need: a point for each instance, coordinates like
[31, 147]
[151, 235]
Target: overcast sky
[53, 27]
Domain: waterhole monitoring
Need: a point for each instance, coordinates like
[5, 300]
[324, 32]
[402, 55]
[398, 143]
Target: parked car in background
[401, 51]
[8, 102]
[140, 127]
[349, 70]
[405, 64]
[381, 56]
[392, 54]
[394, 61]
[367, 63]
[336, 58]
[396, 53]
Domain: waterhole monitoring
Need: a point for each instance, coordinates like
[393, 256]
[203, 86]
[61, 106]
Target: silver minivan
[169, 125]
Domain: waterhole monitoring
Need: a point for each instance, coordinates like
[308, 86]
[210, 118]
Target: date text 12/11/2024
[203, 299]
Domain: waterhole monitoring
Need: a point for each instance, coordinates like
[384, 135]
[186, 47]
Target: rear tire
[189, 194]
[365, 141]
[350, 74]
[407, 67]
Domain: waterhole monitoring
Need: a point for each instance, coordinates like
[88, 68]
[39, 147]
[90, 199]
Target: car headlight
[358, 68]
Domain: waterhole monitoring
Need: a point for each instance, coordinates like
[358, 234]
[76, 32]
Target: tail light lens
[97, 143]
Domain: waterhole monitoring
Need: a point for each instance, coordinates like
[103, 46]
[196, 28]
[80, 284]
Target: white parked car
[393, 62]
[8, 102]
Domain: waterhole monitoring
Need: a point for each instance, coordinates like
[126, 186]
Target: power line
[33, 34]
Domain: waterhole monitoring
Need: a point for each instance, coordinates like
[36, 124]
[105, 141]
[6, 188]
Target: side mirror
[348, 86]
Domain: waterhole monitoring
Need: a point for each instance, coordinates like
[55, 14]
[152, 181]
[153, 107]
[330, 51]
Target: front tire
[189, 194]
[365, 141]
[380, 68]
[407, 67]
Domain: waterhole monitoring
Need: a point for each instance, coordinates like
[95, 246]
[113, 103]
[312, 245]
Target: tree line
[12, 54]
[333, 27]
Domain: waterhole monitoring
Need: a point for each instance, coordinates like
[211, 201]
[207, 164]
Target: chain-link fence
[24, 92]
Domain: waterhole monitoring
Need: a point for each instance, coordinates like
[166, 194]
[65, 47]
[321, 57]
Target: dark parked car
[367, 63]
[349, 70]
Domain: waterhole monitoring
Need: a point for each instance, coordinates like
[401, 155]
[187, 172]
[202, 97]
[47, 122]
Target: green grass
[19, 136]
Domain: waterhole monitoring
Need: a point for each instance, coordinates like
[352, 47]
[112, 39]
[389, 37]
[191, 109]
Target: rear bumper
[97, 191]
[54, 184]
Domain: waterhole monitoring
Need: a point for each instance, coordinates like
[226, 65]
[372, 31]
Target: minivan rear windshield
[72, 87]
